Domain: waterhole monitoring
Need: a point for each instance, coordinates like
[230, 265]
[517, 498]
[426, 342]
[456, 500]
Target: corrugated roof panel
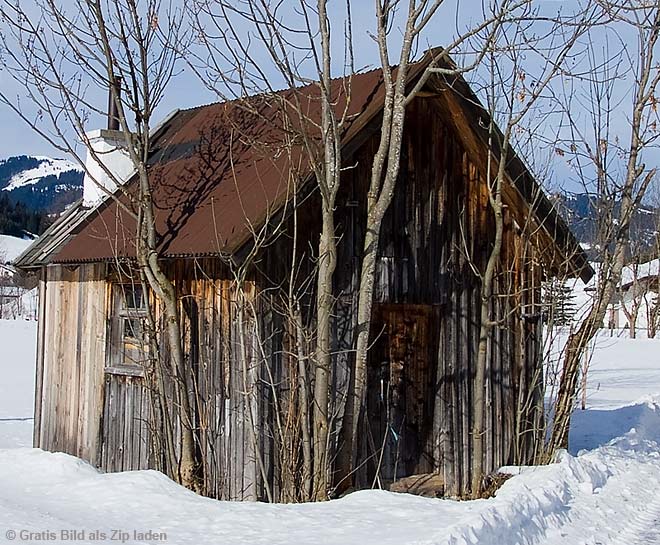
[219, 169]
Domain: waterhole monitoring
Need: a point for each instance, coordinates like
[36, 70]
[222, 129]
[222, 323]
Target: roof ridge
[277, 91]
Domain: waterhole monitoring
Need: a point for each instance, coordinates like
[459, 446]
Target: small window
[129, 346]
[133, 297]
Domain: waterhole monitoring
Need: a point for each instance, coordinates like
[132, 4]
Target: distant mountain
[580, 210]
[41, 183]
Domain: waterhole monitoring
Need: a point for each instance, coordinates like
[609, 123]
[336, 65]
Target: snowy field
[12, 247]
[604, 492]
[18, 342]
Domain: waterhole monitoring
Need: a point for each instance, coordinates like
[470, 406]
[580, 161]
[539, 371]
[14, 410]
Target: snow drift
[594, 497]
[605, 495]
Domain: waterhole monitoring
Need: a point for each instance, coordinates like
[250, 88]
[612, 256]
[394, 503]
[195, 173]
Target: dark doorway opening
[400, 384]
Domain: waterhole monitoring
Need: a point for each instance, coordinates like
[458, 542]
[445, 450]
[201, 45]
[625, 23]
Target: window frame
[118, 314]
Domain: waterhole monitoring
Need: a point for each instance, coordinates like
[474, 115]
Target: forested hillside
[18, 220]
[41, 183]
[580, 210]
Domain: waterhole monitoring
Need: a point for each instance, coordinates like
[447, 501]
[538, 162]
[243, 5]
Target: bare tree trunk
[303, 388]
[327, 263]
[486, 321]
[646, 22]
[329, 186]
[653, 315]
[188, 466]
[384, 173]
[633, 325]
[166, 294]
[156, 376]
[636, 292]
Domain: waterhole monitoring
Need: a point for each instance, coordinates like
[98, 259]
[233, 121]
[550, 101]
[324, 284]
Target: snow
[111, 156]
[631, 273]
[11, 247]
[18, 341]
[46, 167]
[622, 370]
[599, 493]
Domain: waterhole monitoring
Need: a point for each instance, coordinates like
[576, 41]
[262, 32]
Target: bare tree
[514, 89]
[417, 15]
[235, 69]
[652, 305]
[60, 55]
[600, 151]
[632, 296]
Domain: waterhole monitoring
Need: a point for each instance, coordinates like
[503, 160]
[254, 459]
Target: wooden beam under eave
[449, 107]
[39, 370]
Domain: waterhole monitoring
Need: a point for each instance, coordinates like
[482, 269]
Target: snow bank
[42, 491]
[17, 359]
[11, 247]
[572, 501]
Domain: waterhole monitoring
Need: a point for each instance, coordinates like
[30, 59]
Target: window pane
[133, 352]
[133, 297]
[134, 345]
[133, 328]
[129, 347]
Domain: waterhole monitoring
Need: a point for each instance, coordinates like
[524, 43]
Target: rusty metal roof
[221, 170]
[40, 252]
[217, 171]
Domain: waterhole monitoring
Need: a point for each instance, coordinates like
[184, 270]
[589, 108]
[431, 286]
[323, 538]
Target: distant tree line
[16, 218]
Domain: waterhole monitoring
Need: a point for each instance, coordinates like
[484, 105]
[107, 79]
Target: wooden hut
[228, 186]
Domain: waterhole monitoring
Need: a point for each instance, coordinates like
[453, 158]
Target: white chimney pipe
[110, 149]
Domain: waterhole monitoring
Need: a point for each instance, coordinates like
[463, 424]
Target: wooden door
[125, 430]
[400, 391]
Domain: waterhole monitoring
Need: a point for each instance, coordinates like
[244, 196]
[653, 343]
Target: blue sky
[186, 90]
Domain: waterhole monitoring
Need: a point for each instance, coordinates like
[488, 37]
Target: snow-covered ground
[11, 247]
[18, 343]
[604, 495]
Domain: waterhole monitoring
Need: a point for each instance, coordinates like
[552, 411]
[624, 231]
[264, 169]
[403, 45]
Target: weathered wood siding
[110, 419]
[435, 239]
[437, 233]
[74, 321]
[126, 424]
[223, 378]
